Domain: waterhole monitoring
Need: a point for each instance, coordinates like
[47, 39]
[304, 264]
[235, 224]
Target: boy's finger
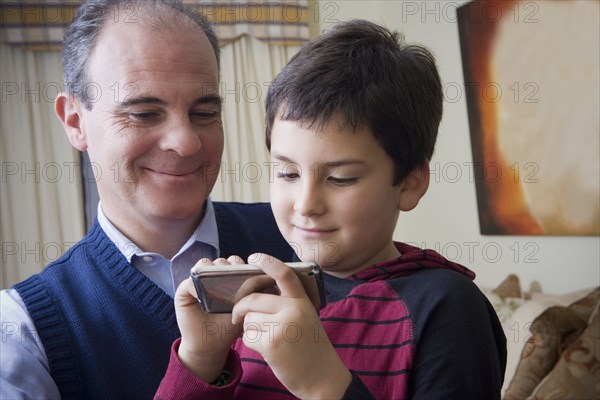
[186, 293]
[285, 277]
[204, 261]
[254, 303]
[235, 260]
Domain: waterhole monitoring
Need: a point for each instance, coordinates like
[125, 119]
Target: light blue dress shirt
[24, 369]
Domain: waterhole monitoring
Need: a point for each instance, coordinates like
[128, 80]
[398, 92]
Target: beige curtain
[248, 66]
[41, 210]
[40, 24]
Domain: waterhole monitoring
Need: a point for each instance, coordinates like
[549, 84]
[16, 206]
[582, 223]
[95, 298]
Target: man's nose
[182, 137]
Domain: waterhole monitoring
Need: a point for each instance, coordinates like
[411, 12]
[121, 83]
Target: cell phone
[219, 287]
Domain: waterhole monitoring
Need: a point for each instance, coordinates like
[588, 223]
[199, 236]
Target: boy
[351, 123]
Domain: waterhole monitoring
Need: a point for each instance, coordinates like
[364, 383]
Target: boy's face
[332, 196]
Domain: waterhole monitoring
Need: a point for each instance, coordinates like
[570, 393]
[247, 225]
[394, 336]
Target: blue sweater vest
[106, 328]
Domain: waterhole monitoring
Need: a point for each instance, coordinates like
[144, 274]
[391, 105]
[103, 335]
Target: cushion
[586, 305]
[506, 298]
[516, 325]
[577, 372]
[550, 333]
[510, 287]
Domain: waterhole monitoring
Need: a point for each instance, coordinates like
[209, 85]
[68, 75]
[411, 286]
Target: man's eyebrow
[140, 100]
[208, 99]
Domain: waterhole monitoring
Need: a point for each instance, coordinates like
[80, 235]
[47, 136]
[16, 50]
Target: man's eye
[342, 181]
[288, 177]
[143, 116]
[204, 114]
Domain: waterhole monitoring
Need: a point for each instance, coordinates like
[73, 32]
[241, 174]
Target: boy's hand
[205, 338]
[287, 332]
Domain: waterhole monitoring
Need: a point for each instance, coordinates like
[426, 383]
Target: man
[142, 99]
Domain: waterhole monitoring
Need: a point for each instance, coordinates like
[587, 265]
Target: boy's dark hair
[362, 74]
[81, 36]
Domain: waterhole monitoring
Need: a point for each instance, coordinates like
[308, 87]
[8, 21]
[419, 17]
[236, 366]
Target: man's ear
[413, 187]
[69, 111]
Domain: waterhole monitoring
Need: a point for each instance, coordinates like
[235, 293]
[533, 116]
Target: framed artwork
[531, 72]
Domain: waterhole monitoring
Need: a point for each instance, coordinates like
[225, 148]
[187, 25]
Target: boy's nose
[310, 200]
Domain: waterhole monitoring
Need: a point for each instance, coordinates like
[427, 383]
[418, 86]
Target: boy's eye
[288, 177]
[342, 181]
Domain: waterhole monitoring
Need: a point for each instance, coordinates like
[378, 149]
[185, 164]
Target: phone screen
[220, 288]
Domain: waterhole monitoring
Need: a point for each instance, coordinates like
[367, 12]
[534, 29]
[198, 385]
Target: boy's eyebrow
[282, 158]
[208, 99]
[341, 163]
[331, 164]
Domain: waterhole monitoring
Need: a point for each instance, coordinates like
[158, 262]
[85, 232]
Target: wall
[446, 219]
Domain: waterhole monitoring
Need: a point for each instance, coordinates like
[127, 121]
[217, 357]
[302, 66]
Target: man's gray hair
[81, 36]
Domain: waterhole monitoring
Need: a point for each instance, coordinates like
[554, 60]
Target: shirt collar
[206, 232]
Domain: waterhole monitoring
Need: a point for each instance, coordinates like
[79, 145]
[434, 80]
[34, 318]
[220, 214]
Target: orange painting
[531, 73]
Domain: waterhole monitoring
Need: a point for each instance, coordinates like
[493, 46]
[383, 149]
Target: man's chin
[177, 212]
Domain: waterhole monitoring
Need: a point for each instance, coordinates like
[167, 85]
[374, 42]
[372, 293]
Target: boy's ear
[413, 187]
[69, 110]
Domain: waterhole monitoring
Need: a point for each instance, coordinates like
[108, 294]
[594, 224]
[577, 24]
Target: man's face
[154, 133]
[332, 196]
